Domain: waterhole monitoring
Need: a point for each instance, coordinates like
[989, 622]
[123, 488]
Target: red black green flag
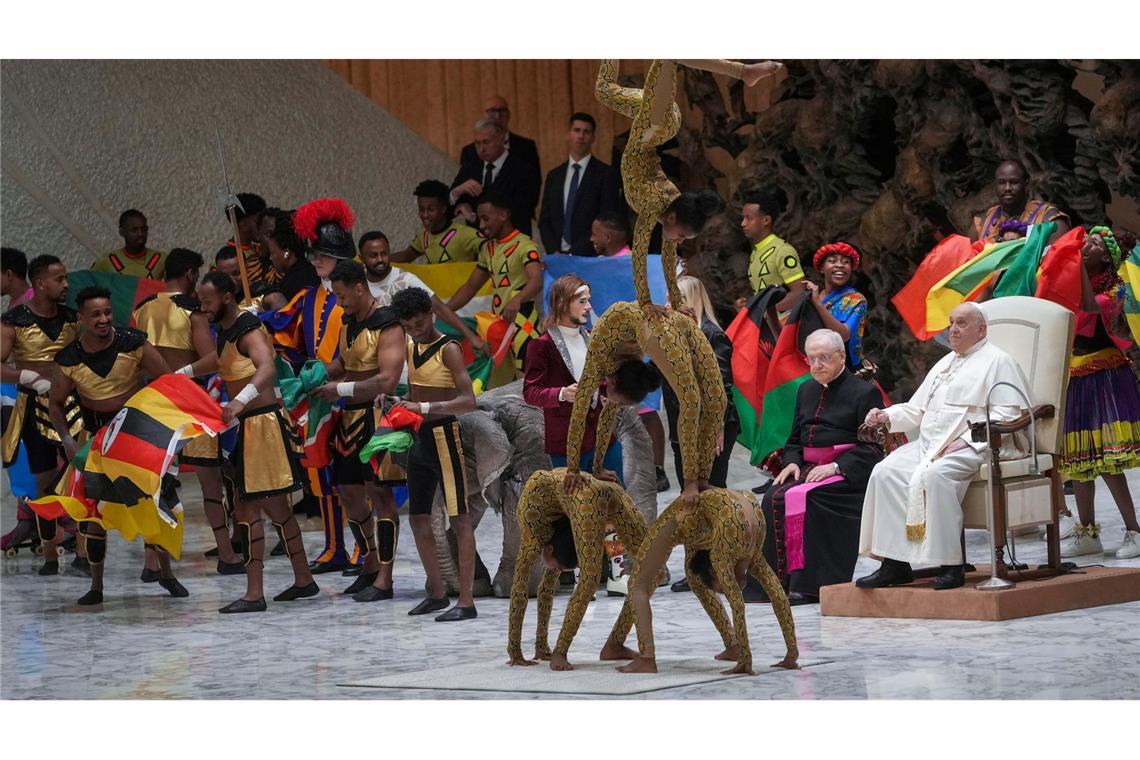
[126, 291]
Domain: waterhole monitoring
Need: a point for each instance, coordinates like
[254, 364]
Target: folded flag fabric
[1130, 272]
[753, 334]
[393, 436]
[313, 416]
[944, 258]
[967, 281]
[125, 482]
[1020, 278]
[126, 291]
[479, 366]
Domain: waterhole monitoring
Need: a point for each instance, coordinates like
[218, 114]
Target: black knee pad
[387, 533]
[365, 538]
[245, 530]
[96, 548]
[46, 529]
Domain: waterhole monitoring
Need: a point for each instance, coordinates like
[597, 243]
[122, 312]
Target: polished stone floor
[142, 644]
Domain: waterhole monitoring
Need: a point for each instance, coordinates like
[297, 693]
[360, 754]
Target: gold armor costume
[505, 261]
[685, 358]
[589, 509]
[266, 455]
[656, 120]
[719, 524]
[457, 242]
[103, 374]
[38, 339]
[358, 421]
[165, 318]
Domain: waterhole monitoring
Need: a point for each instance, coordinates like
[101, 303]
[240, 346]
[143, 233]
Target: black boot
[890, 573]
[952, 576]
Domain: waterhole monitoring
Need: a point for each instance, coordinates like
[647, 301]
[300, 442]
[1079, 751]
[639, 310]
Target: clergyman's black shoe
[952, 576]
[890, 573]
[795, 599]
[681, 585]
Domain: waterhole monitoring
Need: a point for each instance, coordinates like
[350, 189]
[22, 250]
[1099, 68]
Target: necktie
[488, 175]
[571, 196]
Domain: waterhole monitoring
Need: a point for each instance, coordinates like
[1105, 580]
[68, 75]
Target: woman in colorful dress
[841, 307]
[1102, 405]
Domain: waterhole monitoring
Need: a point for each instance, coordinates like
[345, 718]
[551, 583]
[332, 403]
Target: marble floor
[142, 644]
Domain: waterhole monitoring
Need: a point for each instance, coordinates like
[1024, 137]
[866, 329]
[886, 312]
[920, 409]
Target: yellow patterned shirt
[457, 242]
[505, 260]
[773, 262]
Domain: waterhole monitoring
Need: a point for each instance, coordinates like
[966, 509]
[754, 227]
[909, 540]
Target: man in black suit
[522, 147]
[497, 169]
[576, 193]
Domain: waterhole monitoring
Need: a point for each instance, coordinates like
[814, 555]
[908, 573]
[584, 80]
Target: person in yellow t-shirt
[134, 258]
[442, 240]
[773, 260]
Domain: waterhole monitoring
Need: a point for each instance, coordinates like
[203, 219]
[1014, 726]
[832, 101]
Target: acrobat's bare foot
[653, 310]
[754, 72]
[640, 665]
[542, 654]
[612, 651]
[518, 659]
[704, 485]
[559, 662]
[742, 668]
[730, 654]
[788, 663]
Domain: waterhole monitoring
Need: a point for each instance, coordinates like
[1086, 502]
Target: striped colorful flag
[967, 281]
[447, 278]
[787, 371]
[1130, 272]
[313, 416]
[1020, 278]
[479, 366]
[126, 291]
[753, 334]
[943, 259]
[122, 478]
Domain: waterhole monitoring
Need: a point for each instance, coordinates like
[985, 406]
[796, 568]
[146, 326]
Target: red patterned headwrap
[843, 249]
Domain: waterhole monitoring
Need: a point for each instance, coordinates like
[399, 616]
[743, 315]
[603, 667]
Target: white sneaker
[1084, 541]
[1131, 546]
[1064, 527]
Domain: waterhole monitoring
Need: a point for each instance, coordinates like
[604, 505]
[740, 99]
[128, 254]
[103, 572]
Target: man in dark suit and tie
[522, 147]
[576, 193]
[499, 170]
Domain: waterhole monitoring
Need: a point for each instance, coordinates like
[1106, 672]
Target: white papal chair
[1038, 334]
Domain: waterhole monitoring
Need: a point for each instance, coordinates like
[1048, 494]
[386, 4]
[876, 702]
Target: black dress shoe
[49, 568]
[795, 599]
[763, 489]
[429, 605]
[298, 592]
[457, 613]
[681, 585]
[372, 594]
[352, 570]
[82, 566]
[754, 593]
[231, 568]
[363, 581]
[211, 552]
[662, 480]
[241, 605]
[890, 573]
[952, 576]
[279, 550]
[149, 576]
[567, 578]
[91, 598]
[317, 567]
[172, 586]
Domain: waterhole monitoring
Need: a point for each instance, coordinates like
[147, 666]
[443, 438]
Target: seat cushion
[1017, 468]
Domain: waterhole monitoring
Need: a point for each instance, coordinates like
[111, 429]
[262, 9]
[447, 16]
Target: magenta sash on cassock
[795, 501]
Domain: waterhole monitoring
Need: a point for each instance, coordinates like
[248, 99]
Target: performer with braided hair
[723, 536]
[568, 530]
[682, 353]
[179, 331]
[656, 119]
[266, 455]
[372, 346]
[1102, 404]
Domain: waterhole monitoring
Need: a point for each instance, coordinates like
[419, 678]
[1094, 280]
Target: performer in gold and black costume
[31, 334]
[266, 458]
[104, 367]
[372, 347]
[723, 536]
[177, 328]
[568, 530]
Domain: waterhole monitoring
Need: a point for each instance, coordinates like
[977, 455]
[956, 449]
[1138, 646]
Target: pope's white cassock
[912, 511]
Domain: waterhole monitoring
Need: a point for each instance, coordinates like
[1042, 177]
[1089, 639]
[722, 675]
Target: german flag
[126, 291]
[787, 370]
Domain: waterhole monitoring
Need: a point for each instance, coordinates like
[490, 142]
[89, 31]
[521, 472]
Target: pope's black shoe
[890, 573]
[241, 605]
[952, 576]
[457, 613]
[298, 592]
[429, 605]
